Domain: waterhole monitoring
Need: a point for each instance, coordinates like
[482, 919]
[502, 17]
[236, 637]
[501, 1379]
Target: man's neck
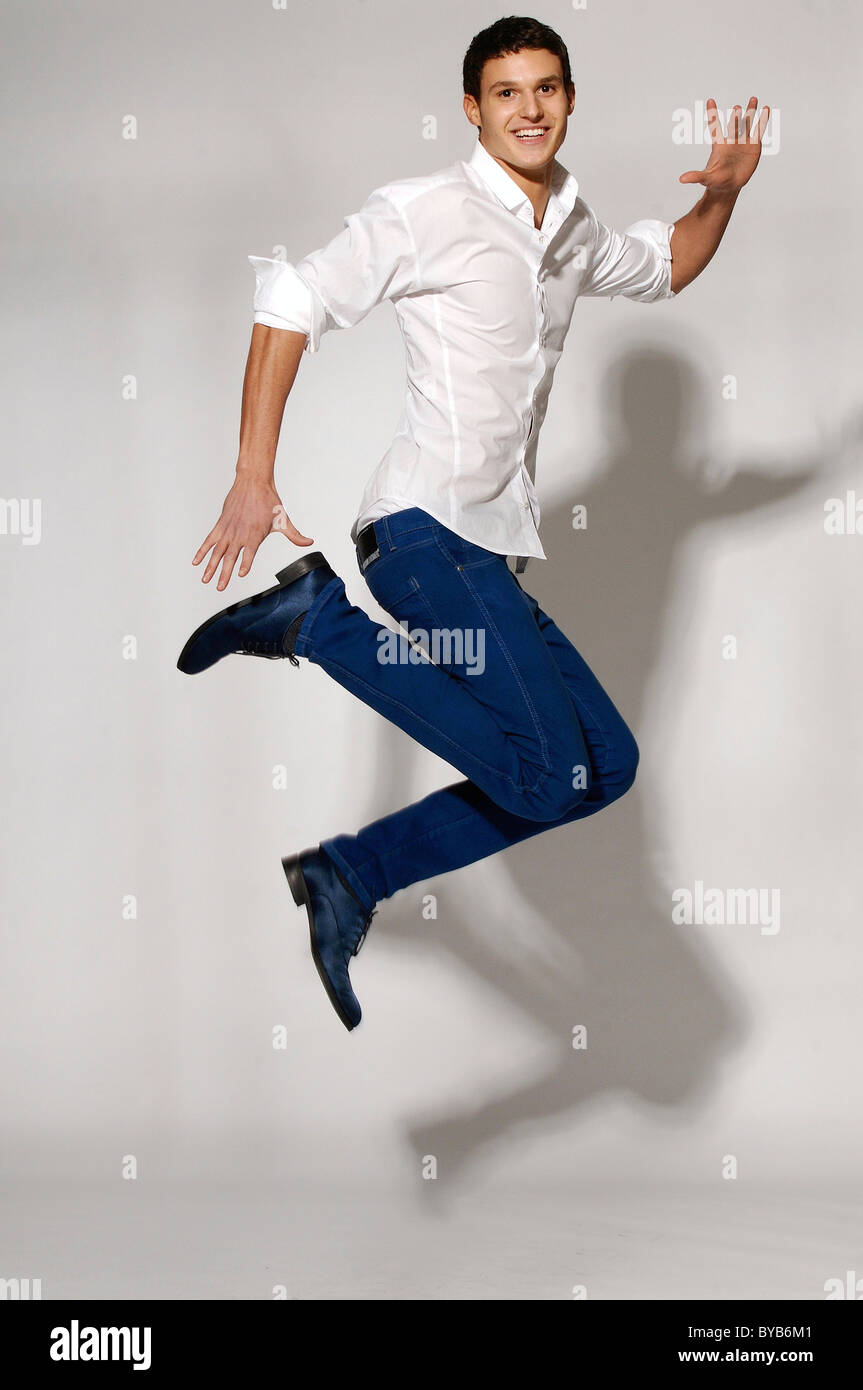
[536, 188]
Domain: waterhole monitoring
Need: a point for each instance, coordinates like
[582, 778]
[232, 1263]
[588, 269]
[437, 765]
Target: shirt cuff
[658, 235]
[283, 299]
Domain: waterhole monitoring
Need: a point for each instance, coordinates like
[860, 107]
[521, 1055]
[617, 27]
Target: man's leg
[460, 824]
[499, 710]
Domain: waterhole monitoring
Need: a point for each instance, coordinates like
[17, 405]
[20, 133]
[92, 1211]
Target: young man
[483, 261]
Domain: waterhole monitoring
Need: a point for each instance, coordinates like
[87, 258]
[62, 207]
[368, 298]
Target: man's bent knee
[553, 796]
[621, 779]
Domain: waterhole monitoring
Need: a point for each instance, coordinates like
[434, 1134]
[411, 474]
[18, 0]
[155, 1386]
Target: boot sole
[285, 576]
[300, 894]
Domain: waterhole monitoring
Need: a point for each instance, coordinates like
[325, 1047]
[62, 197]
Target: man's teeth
[527, 134]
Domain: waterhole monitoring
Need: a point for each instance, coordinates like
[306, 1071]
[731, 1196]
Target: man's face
[522, 92]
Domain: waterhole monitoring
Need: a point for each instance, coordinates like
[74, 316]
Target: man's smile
[532, 134]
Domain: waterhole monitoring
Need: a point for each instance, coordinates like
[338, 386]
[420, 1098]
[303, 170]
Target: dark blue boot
[265, 624]
[338, 923]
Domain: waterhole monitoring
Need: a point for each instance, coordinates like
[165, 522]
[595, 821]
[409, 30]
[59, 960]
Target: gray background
[301, 1167]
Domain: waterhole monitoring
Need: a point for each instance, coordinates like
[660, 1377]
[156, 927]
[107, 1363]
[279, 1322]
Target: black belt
[368, 545]
[368, 549]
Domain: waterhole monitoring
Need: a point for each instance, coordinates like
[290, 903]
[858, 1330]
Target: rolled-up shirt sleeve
[635, 263]
[282, 297]
[373, 258]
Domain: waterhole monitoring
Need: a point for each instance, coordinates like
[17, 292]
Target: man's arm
[271, 369]
[372, 259]
[696, 237]
[252, 508]
[635, 263]
[733, 160]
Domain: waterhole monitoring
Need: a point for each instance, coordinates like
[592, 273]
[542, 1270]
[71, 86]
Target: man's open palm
[735, 155]
[252, 509]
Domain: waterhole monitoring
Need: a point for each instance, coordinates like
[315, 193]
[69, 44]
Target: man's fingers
[249, 553]
[714, 124]
[239, 541]
[282, 522]
[762, 121]
[213, 563]
[204, 547]
[227, 565]
[751, 108]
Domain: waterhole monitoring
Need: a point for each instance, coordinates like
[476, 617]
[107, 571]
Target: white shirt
[484, 300]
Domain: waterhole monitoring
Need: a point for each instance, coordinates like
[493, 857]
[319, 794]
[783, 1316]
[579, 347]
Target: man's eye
[508, 90]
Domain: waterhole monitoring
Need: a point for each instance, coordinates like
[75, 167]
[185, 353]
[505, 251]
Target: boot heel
[294, 875]
[301, 567]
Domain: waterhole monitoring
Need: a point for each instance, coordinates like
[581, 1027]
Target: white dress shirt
[484, 300]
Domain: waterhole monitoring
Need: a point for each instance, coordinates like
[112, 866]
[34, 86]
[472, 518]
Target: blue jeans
[505, 698]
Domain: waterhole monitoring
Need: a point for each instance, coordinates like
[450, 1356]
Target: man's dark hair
[510, 35]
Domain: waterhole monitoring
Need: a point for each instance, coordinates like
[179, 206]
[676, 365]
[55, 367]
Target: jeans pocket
[388, 579]
[395, 595]
[395, 586]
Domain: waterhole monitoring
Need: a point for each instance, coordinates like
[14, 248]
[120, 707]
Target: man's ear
[471, 109]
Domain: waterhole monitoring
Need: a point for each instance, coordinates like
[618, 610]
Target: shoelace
[365, 932]
[258, 646]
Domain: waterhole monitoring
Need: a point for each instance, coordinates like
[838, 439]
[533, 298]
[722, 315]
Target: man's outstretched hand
[251, 510]
[735, 155]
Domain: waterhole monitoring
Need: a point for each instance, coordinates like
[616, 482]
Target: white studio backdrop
[704, 435]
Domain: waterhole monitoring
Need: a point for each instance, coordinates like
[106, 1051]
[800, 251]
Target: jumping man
[483, 262]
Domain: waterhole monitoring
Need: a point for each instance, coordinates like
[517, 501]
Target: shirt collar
[564, 185]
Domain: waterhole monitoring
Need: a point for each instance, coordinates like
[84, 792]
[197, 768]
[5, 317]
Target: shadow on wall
[659, 1017]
